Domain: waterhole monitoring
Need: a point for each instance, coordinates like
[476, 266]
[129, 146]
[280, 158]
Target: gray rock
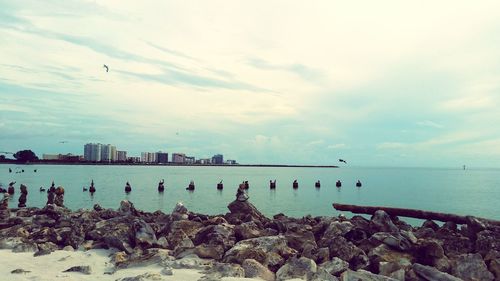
[347, 251]
[149, 276]
[350, 275]
[429, 273]
[253, 269]
[167, 270]
[266, 250]
[189, 262]
[45, 249]
[471, 267]
[127, 208]
[321, 275]
[10, 242]
[220, 270]
[382, 222]
[335, 266]
[296, 268]
[25, 247]
[395, 240]
[20, 271]
[144, 234]
[84, 269]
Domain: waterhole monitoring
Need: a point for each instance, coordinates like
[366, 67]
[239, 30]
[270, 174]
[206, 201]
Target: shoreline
[169, 164]
[246, 243]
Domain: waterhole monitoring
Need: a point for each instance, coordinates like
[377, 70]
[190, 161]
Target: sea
[454, 190]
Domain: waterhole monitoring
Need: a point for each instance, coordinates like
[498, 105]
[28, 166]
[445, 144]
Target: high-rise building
[161, 157]
[189, 160]
[92, 152]
[178, 158]
[148, 157]
[218, 159]
[121, 156]
[108, 153]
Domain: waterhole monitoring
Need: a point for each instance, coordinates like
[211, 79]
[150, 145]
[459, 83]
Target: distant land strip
[166, 164]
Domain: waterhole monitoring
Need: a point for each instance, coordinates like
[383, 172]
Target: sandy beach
[52, 267]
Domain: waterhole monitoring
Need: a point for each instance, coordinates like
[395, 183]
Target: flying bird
[342, 160]
[63, 142]
[107, 68]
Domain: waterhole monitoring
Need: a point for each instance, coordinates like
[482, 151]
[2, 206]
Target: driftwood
[411, 213]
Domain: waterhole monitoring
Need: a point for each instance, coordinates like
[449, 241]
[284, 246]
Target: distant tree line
[23, 156]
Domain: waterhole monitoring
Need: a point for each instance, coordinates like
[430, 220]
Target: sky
[377, 83]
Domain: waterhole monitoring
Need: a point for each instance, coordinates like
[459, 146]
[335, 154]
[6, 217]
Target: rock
[141, 259]
[487, 240]
[46, 248]
[381, 222]
[350, 275]
[189, 262]
[431, 274]
[84, 269]
[167, 270]
[246, 209]
[10, 242]
[220, 270]
[144, 234]
[119, 258]
[383, 254]
[222, 235]
[267, 250]
[247, 230]
[253, 269]
[430, 224]
[127, 208]
[323, 255]
[395, 240]
[180, 212]
[114, 233]
[148, 276]
[471, 267]
[301, 239]
[335, 267]
[20, 271]
[25, 247]
[347, 251]
[296, 268]
[494, 267]
[320, 275]
[209, 251]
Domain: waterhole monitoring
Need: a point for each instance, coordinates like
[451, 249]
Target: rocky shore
[245, 243]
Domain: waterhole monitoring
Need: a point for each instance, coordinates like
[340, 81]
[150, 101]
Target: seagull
[63, 142]
[107, 68]
[342, 160]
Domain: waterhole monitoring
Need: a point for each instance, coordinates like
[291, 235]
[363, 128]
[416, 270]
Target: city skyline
[392, 84]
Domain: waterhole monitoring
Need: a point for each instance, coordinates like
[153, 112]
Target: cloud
[301, 70]
[392, 145]
[428, 123]
[337, 146]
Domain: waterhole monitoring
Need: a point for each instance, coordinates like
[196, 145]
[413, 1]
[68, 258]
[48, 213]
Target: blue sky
[385, 83]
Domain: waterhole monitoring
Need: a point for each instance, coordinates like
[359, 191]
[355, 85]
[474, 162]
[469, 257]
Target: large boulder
[358, 275]
[245, 211]
[471, 267]
[271, 251]
[221, 234]
[335, 266]
[429, 273]
[381, 256]
[114, 233]
[248, 230]
[347, 251]
[381, 222]
[254, 269]
[144, 235]
[296, 268]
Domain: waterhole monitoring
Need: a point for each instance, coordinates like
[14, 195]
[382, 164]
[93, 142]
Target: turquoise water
[469, 192]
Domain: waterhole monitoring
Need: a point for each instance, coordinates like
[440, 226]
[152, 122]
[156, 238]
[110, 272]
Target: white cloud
[337, 146]
[428, 123]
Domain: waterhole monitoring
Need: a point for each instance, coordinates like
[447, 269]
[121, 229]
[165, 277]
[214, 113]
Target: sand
[50, 267]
